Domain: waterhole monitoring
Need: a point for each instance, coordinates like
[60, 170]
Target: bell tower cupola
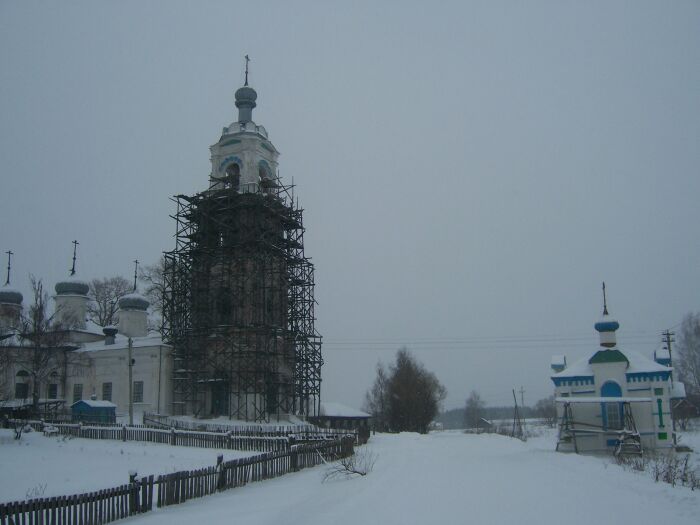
[244, 159]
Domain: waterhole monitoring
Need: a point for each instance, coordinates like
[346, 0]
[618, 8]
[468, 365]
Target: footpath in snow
[446, 478]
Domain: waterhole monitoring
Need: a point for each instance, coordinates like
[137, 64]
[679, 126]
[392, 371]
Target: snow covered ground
[38, 466]
[445, 477]
[450, 477]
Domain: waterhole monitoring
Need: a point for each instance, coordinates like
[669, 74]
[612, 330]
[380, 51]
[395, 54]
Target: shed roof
[338, 410]
[94, 403]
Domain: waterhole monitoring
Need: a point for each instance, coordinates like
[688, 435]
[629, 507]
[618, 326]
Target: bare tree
[377, 401]
[360, 463]
[42, 351]
[546, 410]
[153, 279]
[688, 353]
[104, 295]
[473, 411]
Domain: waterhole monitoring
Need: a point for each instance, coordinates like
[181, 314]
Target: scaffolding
[239, 305]
[627, 439]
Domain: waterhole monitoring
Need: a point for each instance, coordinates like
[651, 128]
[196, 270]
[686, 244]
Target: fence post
[293, 456]
[133, 493]
[221, 478]
[123, 432]
[172, 436]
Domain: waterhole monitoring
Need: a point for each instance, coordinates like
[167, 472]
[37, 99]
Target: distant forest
[455, 418]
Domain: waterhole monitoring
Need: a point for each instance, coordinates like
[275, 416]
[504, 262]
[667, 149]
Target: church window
[233, 176]
[612, 411]
[52, 391]
[106, 391]
[138, 392]
[22, 385]
[77, 392]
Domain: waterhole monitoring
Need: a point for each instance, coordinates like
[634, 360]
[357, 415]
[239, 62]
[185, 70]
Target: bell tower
[244, 159]
[239, 309]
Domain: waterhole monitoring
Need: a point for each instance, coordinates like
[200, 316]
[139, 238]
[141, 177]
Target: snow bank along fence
[104, 506]
[301, 432]
[171, 437]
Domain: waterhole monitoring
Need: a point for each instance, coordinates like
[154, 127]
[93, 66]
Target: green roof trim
[267, 147]
[230, 142]
[608, 356]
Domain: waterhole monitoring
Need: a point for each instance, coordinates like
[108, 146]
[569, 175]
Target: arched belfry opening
[233, 176]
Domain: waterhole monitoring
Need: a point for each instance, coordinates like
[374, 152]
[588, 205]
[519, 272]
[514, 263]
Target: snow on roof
[96, 403]
[121, 342]
[586, 399]
[637, 364]
[662, 353]
[678, 390]
[338, 410]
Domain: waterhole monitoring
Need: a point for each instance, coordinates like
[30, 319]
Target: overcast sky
[470, 171]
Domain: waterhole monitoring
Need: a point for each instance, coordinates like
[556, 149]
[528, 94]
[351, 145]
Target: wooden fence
[301, 432]
[105, 506]
[93, 508]
[172, 436]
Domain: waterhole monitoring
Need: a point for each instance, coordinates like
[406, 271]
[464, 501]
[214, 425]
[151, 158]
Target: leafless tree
[104, 295]
[153, 279]
[546, 410]
[42, 350]
[688, 353]
[360, 463]
[377, 401]
[473, 411]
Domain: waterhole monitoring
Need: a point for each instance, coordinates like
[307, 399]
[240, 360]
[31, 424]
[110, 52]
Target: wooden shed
[94, 411]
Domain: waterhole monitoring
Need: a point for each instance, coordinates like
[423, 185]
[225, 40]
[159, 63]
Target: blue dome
[72, 286]
[10, 296]
[133, 301]
[607, 324]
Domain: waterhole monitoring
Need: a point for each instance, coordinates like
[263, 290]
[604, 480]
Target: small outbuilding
[341, 417]
[94, 411]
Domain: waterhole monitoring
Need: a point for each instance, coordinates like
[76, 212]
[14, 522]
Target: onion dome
[245, 102]
[606, 324]
[133, 301]
[72, 286]
[606, 328]
[10, 296]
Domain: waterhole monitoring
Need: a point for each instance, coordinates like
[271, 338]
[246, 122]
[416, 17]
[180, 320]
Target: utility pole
[522, 396]
[131, 384]
[668, 339]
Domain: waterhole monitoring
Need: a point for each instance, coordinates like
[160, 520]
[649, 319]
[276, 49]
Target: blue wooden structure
[94, 411]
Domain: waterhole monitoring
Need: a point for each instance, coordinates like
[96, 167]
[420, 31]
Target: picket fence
[302, 432]
[105, 506]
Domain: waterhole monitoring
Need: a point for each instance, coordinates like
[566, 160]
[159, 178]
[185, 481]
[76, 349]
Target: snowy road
[447, 478]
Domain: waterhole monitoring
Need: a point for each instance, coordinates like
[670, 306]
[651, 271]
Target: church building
[614, 400]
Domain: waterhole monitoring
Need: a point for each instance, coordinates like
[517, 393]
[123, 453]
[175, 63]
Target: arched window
[612, 412]
[265, 177]
[22, 385]
[233, 176]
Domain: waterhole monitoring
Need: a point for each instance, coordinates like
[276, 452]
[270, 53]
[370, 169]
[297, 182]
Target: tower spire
[136, 270]
[9, 266]
[605, 302]
[247, 60]
[75, 251]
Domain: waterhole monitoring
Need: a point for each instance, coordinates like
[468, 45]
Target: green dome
[72, 286]
[10, 295]
[133, 301]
